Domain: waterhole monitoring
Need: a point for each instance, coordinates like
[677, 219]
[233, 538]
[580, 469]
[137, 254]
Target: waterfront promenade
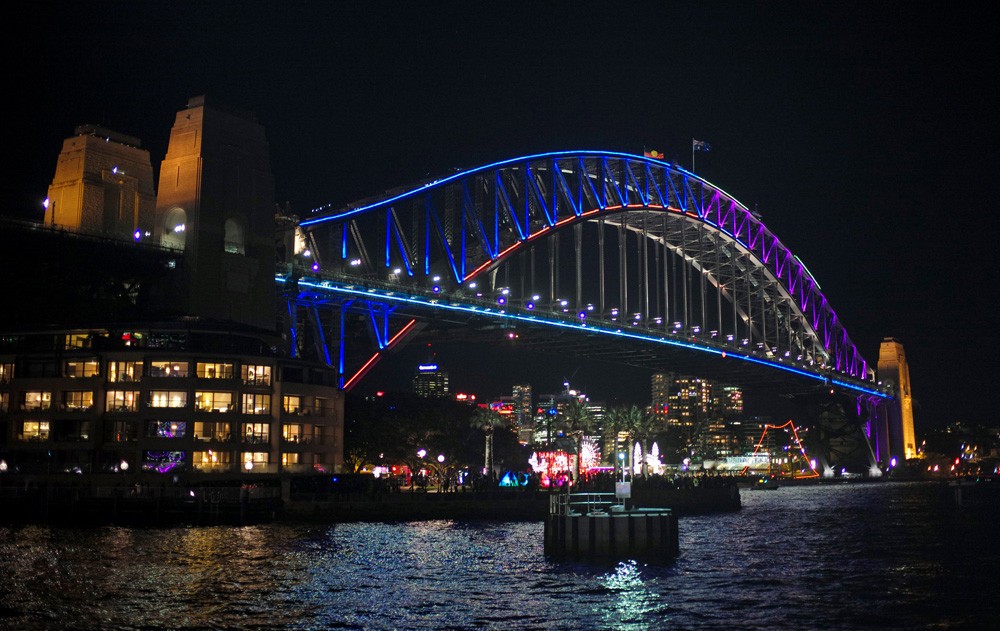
[330, 499]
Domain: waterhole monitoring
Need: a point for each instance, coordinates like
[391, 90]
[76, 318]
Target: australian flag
[700, 145]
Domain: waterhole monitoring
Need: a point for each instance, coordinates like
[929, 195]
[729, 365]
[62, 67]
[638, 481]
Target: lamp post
[442, 473]
[421, 453]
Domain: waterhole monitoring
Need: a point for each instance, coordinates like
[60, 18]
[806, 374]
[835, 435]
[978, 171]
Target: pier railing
[581, 503]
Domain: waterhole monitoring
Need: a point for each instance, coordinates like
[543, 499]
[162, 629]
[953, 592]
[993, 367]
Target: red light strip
[795, 432]
[368, 365]
[545, 230]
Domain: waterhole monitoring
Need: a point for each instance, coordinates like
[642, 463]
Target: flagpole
[692, 155]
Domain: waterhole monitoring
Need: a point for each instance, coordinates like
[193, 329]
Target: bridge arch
[692, 261]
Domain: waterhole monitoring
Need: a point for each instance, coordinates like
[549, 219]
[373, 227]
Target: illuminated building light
[137, 235]
[798, 442]
[530, 305]
[574, 324]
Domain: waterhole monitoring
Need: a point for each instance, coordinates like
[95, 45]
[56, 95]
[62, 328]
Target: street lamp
[421, 453]
[443, 480]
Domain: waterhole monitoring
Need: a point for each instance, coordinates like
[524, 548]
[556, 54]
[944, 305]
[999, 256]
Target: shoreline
[172, 505]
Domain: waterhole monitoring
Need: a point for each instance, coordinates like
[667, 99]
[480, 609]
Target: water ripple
[852, 557]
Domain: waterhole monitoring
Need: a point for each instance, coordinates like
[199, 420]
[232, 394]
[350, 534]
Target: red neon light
[559, 224]
[795, 432]
[361, 372]
[350, 383]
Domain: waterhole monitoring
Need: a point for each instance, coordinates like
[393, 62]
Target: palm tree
[616, 421]
[488, 421]
[637, 423]
[577, 420]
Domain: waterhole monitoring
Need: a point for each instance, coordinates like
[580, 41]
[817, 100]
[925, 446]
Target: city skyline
[849, 130]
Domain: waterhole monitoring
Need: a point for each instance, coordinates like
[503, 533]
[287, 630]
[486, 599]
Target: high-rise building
[660, 383]
[430, 382]
[699, 412]
[523, 410]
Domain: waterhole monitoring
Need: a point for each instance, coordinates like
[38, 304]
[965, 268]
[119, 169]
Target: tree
[577, 420]
[488, 421]
[616, 421]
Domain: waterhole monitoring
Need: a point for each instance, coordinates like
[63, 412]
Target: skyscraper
[523, 411]
[660, 384]
[430, 382]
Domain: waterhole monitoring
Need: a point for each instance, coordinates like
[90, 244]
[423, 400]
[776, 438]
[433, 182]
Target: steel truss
[609, 238]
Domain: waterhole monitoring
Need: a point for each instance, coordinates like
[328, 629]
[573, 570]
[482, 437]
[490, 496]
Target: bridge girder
[691, 260]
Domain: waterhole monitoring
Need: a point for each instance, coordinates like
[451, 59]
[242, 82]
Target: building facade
[431, 382]
[167, 399]
[161, 351]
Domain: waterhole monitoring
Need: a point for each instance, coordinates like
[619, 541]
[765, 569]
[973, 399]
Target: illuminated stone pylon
[893, 371]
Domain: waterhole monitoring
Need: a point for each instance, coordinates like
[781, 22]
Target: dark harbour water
[882, 556]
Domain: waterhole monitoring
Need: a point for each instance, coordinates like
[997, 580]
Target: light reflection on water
[851, 557]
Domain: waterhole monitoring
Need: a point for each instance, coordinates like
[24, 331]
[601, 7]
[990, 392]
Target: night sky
[864, 133]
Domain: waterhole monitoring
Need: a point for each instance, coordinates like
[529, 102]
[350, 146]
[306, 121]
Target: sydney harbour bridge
[599, 254]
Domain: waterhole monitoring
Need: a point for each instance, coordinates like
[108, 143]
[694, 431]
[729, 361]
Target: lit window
[292, 404]
[78, 401]
[213, 401]
[211, 431]
[36, 401]
[34, 430]
[168, 369]
[255, 460]
[210, 460]
[168, 399]
[162, 461]
[256, 433]
[256, 375]
[214, 371]
[6, 372]
[77, 340]
[83, 368]
[122, 401]
[256, 404]
[166, 429]
[289, 459]
[292, 433]
[124, 371]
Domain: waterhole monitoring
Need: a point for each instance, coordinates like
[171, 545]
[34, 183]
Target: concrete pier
[591, 526]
